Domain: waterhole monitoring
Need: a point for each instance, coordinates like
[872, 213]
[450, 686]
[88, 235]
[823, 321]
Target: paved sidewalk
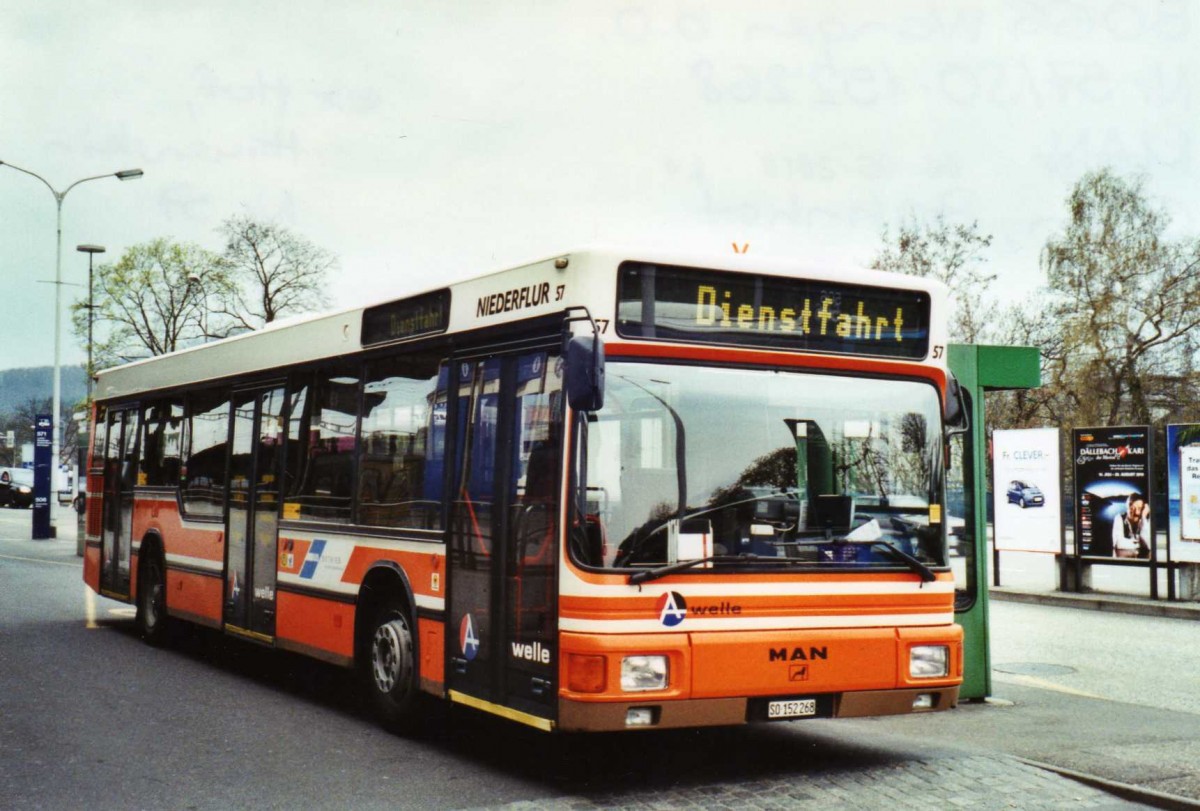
[978, 782]
[1030, 577]
[65, 522]
[1097, 601]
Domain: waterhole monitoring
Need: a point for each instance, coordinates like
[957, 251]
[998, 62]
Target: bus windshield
[763, 466]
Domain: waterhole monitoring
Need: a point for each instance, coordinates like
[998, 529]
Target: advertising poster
[1026, 472]
[1112, 492]
[1183, 491]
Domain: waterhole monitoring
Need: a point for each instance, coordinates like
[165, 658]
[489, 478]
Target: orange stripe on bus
[839, 363]
[195, 594]
[322, 624]
[162, 517]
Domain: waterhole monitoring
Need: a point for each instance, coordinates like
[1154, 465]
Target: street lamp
[59, 196]
[91, 251]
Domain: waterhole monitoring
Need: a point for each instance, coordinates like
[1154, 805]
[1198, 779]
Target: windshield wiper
[645, 575]
[927, 575]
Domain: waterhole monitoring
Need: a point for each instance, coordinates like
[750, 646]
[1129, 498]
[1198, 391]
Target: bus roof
[544, 287]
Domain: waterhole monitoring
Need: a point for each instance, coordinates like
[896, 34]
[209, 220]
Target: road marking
[90, 607]
[1033, 681]
[37, 560]
[90, 610]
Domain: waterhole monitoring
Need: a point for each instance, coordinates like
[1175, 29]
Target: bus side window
[129, 453]
[961, 516]
[99, 440]
[162, 429]
[322, 431]
[203, 477]
[399, 394]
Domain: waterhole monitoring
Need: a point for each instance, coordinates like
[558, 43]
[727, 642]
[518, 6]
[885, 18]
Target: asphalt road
[90, 716]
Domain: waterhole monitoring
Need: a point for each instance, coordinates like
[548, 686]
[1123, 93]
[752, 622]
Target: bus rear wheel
[152, 600]
[391, 667]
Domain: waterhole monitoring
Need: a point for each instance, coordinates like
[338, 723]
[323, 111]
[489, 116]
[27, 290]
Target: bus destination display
[397, 320]
[690, 304]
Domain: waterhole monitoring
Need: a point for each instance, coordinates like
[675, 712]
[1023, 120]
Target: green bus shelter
[979, 369]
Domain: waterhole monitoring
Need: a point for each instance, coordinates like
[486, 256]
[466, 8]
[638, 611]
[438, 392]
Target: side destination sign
[668, 303]
[426, 314]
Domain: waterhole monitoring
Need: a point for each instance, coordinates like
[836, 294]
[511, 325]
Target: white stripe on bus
[801, 623]
[194, 563]
[423, 601]
[573, 586]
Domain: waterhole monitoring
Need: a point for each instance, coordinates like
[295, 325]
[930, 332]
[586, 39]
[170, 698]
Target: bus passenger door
[531, 550]
[253, 520]
[473, 528]
[120, 476]
[502, 628]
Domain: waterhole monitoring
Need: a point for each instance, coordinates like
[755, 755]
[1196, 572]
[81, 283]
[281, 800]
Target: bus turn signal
[586, 673]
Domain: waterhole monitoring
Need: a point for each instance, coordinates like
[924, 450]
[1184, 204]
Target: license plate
[799, 708]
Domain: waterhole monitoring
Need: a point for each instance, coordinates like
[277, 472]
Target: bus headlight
[928, 661]
[640, 673]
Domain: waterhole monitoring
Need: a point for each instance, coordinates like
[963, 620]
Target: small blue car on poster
[1025, 494]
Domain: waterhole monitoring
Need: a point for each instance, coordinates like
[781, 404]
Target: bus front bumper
[580, 716]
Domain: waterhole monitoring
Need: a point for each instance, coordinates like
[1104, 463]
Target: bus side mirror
[956, 408]
[585, 373]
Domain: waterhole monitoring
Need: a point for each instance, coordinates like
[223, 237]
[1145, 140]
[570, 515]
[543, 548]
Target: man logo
[467, 639]
[672, 608]
[798, 673]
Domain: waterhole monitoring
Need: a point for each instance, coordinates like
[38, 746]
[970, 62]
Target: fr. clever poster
[1026, 472]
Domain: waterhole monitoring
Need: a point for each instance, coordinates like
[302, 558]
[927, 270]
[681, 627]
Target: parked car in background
[16, 487]
[1025, 494]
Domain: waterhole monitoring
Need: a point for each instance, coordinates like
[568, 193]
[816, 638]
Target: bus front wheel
[391, 667]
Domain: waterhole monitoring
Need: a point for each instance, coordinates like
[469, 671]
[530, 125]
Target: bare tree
[952, 253]
[273, 271]
[21, 421]
[1123, 302]
[1034, 323]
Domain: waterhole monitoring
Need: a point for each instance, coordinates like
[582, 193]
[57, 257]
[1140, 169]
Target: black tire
[390, 667]
[1023, 505]
[152, 600]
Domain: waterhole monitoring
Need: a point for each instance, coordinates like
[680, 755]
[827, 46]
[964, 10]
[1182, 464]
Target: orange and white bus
[604, 491]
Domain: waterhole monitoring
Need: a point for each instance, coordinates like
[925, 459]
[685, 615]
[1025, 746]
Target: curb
[1126, 791]
[1095, 602]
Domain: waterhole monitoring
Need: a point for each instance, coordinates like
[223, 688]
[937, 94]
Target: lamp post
[91, 251]
[59, 196]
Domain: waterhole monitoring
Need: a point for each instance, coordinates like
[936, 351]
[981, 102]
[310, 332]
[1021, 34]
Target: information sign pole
[43, 444]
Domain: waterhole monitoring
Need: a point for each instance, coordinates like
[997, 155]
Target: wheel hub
[390, 659]
[153, 603]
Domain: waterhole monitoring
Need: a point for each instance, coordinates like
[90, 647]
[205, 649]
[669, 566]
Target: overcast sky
[422, 142]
